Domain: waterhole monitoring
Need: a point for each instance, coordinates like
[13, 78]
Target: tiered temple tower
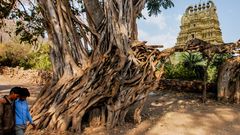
[200, 21]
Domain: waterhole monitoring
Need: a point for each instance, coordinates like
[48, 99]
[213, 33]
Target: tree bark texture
[98, 71]
[229, 81]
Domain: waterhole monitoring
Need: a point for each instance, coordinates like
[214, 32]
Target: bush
[186, 66]
[11, 54]
[39, 59]
[215, 65]
[190, 66]
[178, 72]
[23, 55]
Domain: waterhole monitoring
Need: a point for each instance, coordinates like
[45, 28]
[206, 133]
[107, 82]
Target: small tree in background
[189, 67]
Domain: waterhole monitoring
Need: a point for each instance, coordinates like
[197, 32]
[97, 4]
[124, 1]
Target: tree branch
[94, 11]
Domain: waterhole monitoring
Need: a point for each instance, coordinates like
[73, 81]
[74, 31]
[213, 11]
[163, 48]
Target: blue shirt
[22, 112]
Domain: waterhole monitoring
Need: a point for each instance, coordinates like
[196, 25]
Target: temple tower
[200, 21]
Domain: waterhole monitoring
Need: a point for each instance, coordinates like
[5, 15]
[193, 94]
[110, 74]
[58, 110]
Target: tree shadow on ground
[173, 113]
[178, 113]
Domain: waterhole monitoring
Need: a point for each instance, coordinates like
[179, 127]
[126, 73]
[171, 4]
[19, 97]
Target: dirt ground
[166, 112]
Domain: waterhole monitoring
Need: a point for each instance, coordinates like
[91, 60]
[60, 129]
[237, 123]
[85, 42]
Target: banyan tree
[99, 68]
[229, 81]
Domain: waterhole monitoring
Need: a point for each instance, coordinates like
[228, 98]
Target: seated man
[7, 115]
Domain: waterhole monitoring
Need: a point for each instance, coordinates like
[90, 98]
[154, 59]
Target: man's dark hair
[24, 92]
[15, 90]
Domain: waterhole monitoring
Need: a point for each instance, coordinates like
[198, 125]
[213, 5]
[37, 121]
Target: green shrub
[212, 74]
[178, 72]
[186, 66]
[24, 56]
[190, 66]
[215, 65]
[11, 54]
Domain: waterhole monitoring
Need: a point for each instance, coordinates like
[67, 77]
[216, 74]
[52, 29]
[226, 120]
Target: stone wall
[41, 77]
[187, 86]
[29, 76]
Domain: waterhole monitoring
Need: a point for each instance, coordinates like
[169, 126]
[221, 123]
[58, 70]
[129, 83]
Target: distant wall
[187, 86]
[30, 76]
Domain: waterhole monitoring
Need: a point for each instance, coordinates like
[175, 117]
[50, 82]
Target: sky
[164, 29]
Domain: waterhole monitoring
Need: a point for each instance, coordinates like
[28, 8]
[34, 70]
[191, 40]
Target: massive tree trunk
[229, 81]
[97, 73]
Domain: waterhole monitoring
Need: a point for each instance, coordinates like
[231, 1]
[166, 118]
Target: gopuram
[200, 21]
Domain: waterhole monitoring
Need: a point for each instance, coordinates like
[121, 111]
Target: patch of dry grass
[16, 49]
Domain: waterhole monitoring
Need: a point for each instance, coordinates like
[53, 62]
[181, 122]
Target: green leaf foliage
[194, 62]
[29, 24]
[178, 72]
[190, 66]
[23, 56]
[154, 6]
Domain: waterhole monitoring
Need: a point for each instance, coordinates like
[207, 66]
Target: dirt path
[7, 82]
[177, 113]
[165, 113]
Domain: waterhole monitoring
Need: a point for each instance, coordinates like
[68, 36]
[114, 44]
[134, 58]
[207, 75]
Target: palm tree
[194, 62]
